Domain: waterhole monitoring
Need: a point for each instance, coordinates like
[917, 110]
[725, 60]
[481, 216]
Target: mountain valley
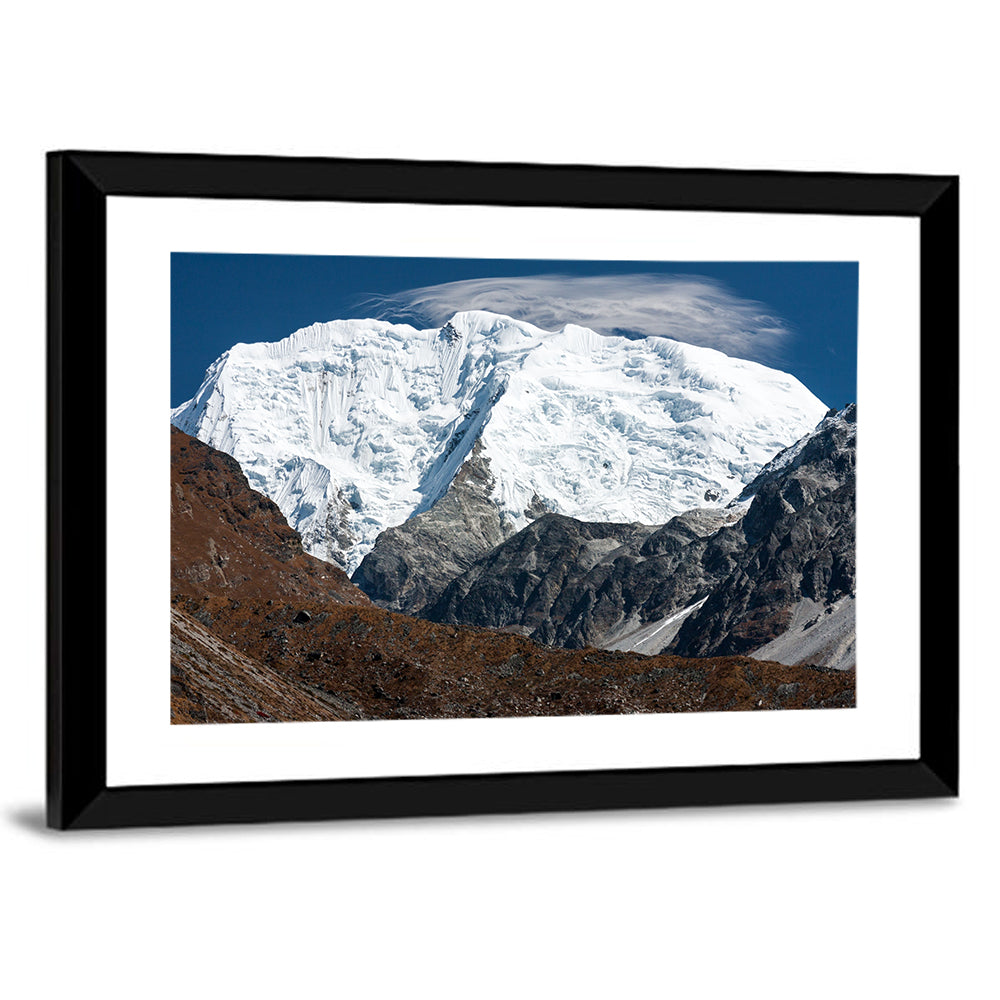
[262, 632]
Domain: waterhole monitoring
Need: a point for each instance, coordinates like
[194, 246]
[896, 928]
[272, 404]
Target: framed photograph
[386, 488]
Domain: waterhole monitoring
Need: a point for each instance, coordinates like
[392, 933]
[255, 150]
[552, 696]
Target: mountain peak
[495, 327]
[353, 426]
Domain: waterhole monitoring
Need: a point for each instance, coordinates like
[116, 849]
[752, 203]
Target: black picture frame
[79, 184]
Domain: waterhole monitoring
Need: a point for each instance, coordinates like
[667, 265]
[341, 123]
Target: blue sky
[797, 316]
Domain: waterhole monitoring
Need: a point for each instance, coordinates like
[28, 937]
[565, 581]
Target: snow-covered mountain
[352, 426]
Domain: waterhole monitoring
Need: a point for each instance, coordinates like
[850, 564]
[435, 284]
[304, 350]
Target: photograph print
[429, 488]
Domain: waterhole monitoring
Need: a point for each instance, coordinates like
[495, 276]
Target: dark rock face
[412, 563]
[570, 583]
[537, 508]
[799, 543]
[530, 581]
[574, 584]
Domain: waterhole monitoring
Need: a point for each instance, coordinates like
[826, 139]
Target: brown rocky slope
[227, 538]
[262, 632]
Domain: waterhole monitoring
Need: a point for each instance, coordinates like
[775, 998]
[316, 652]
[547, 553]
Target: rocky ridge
[800, 546]
[261, 632]
[708, 582]
[412, 563]
[227, 538]
[573, 583]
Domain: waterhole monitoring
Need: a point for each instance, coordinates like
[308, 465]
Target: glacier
[353, 426]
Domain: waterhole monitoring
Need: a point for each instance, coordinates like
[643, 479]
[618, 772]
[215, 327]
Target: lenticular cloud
[691, 309]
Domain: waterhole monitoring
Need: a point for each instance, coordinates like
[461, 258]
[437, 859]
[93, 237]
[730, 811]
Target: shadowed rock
[573, 583]
[412, 563]
[800, 545]
[709, 582]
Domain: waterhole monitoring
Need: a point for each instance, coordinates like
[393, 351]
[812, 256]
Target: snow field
[353, 426]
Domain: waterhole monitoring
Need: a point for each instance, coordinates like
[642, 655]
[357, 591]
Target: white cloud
[694, 309]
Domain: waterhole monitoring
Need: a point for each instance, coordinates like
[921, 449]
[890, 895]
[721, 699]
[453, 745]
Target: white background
[143, 748]
[819, 901]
